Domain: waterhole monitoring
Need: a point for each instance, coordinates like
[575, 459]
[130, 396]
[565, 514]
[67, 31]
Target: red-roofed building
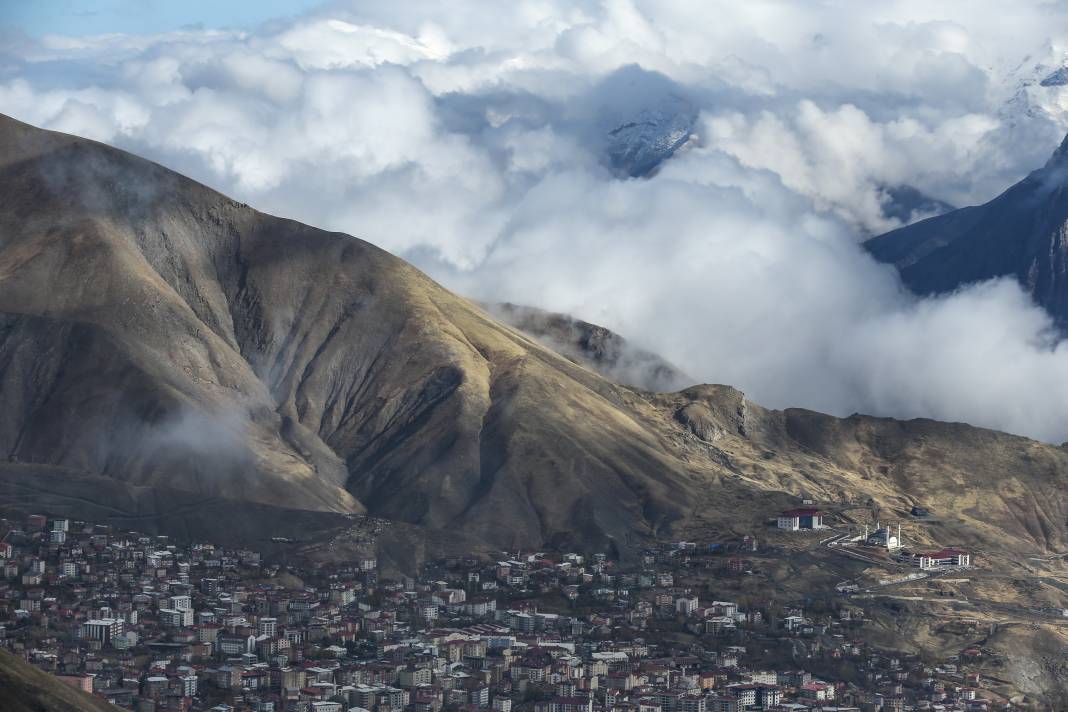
[796, 519]
[819, 691]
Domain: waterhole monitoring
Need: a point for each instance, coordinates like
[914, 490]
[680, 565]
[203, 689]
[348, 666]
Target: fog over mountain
[699, 183]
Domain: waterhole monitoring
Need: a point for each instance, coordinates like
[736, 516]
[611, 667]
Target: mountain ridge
[594, 347]
[163, 337]
[333, 376]
[1022, 233]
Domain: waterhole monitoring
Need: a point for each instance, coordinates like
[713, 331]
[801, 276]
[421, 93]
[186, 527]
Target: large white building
[267, 626]
[796, 519]
[944, 557]
[180, 603]
[102, 629]
[174, 618]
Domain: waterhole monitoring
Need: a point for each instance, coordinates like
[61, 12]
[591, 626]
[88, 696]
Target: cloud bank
[473, 138]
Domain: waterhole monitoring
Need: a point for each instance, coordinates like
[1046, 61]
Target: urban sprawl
[149, 625]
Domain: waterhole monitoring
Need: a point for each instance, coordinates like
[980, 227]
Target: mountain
[637, 144]
[595, 347]
[156, 332]
[1032, 91]
[1022, 233]
[27, 689]
[175, 361]
[1056, 78]
[907, 204]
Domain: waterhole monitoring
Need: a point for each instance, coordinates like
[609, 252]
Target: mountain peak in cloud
[641, 142]
[1018, 234]
[1057, 78]
[908, 204]
[641, 119]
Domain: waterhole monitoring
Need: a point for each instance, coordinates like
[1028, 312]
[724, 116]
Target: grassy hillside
[24, 688]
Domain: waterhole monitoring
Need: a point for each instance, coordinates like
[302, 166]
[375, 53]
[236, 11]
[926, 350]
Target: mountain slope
[27, 689]
[174, 361]
[1021, 233]
[154, 331]
[595, 347]
[992, 490]
[161, 337]
[637, 145]
[907, 204]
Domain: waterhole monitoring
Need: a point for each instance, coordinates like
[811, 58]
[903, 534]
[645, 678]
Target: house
[768, 695]
[819, 691]
[723, 703]
[943, 557]
[796, 519]
[81, 681]
[535, 667]
[793, 622]
[745, 693]
[480, 606]
[565, 704]
[686, 605]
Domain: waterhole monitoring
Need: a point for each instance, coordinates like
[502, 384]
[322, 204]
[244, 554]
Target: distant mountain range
[1022, 233]
[174, 360]
[638, 142]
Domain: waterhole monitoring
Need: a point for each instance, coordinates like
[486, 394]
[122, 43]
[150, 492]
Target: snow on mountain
[639, 143]
[1037, 89]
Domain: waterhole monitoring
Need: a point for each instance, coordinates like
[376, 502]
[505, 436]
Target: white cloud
[333, 44]
[842, 159]
[469, 137]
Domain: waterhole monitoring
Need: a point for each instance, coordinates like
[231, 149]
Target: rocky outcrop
[594, 347]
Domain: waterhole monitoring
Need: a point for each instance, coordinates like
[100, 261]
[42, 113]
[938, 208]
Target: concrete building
[943, 557]
[797, 519]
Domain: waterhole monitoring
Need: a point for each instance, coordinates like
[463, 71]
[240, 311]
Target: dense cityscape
[149, 625]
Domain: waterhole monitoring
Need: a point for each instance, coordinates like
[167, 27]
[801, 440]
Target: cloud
[195, 433]
[471, 139]
[843, 160]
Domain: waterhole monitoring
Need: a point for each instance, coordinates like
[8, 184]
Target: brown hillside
[159, 335]
[24, 688]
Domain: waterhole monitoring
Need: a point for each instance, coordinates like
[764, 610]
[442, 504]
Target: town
[149, 625]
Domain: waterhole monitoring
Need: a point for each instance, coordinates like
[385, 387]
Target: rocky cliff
[1020, 234]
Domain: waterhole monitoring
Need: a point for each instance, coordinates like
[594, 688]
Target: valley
[177, 363]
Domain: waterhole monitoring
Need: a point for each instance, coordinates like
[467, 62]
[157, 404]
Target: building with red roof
[797, 519]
